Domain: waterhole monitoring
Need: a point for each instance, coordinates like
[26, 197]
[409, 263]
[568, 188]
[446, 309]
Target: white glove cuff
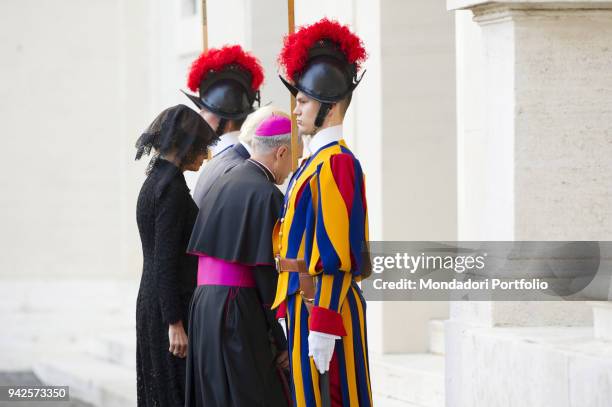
[324, 335]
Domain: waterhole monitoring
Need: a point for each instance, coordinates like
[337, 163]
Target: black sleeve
[266, 278]
[168, 251]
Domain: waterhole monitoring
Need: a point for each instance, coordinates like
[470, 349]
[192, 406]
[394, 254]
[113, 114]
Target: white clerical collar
[324, 137]
[225, 141]
[247, 147]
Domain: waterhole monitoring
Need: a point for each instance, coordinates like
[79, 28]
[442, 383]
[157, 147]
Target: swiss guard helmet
[227, 80]
[322, 61]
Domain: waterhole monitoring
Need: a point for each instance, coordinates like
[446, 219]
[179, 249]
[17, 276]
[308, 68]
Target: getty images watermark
[505, 271]
[458, 264]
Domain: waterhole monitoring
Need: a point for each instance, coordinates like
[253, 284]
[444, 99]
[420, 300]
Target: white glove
[281, 321]
[321, 348]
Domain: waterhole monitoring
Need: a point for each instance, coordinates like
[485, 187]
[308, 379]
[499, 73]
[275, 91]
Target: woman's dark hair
[178, 129]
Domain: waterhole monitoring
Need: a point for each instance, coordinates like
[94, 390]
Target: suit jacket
[216, 167]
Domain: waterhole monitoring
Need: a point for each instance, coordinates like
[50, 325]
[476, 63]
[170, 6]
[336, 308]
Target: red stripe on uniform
[343, 171]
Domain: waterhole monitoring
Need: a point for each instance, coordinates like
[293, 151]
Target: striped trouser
[349, 369]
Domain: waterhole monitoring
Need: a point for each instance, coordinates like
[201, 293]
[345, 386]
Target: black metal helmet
[327, 76]
[227, 81]
[322, 61]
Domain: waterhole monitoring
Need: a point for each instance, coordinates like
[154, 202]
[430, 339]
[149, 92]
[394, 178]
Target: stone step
[100, 383]
[70, 296]
[412, 379]
[382, 401]
[435, 329]
[117, 348]
[120, 349]
[28, 378]
[546, 366]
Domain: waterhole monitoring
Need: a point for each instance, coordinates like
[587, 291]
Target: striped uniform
[325, 223]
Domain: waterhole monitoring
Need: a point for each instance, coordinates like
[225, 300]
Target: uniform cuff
[281, 311]
[326, 321]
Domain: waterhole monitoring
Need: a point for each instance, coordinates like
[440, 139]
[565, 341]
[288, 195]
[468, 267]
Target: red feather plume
[215, 59]
[294, 54]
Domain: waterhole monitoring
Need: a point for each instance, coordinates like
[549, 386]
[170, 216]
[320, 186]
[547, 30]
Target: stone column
[534, 147]
[411, 92]
[535, 163]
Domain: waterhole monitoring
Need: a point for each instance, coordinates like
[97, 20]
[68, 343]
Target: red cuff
[326, 321]
[281, 312]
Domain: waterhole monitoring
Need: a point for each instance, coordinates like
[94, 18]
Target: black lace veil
[177, 129]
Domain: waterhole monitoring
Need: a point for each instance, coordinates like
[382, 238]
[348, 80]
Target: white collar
[225, 141]
[324, 137]
[247, 147]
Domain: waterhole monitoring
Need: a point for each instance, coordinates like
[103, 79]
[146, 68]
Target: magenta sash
[213, 271]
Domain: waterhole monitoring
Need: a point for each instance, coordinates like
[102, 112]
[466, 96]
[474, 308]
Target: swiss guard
[324, 226]
[227, 81]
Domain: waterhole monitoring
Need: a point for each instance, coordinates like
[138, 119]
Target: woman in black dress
[165, 215]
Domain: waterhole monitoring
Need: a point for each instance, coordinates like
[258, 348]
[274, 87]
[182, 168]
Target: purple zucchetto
[274, 126]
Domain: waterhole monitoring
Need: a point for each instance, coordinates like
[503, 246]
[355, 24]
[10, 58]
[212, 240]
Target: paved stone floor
[24, 378]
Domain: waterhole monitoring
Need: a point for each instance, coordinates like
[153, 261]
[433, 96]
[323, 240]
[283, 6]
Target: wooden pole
[204, 27]
[205, 48]
[294, 132]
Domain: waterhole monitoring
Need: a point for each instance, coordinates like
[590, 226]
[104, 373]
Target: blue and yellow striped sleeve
[340, 230]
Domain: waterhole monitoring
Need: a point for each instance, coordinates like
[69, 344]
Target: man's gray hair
[267, 144]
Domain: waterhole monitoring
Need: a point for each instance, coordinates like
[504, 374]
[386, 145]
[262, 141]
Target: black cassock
[233, 334]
